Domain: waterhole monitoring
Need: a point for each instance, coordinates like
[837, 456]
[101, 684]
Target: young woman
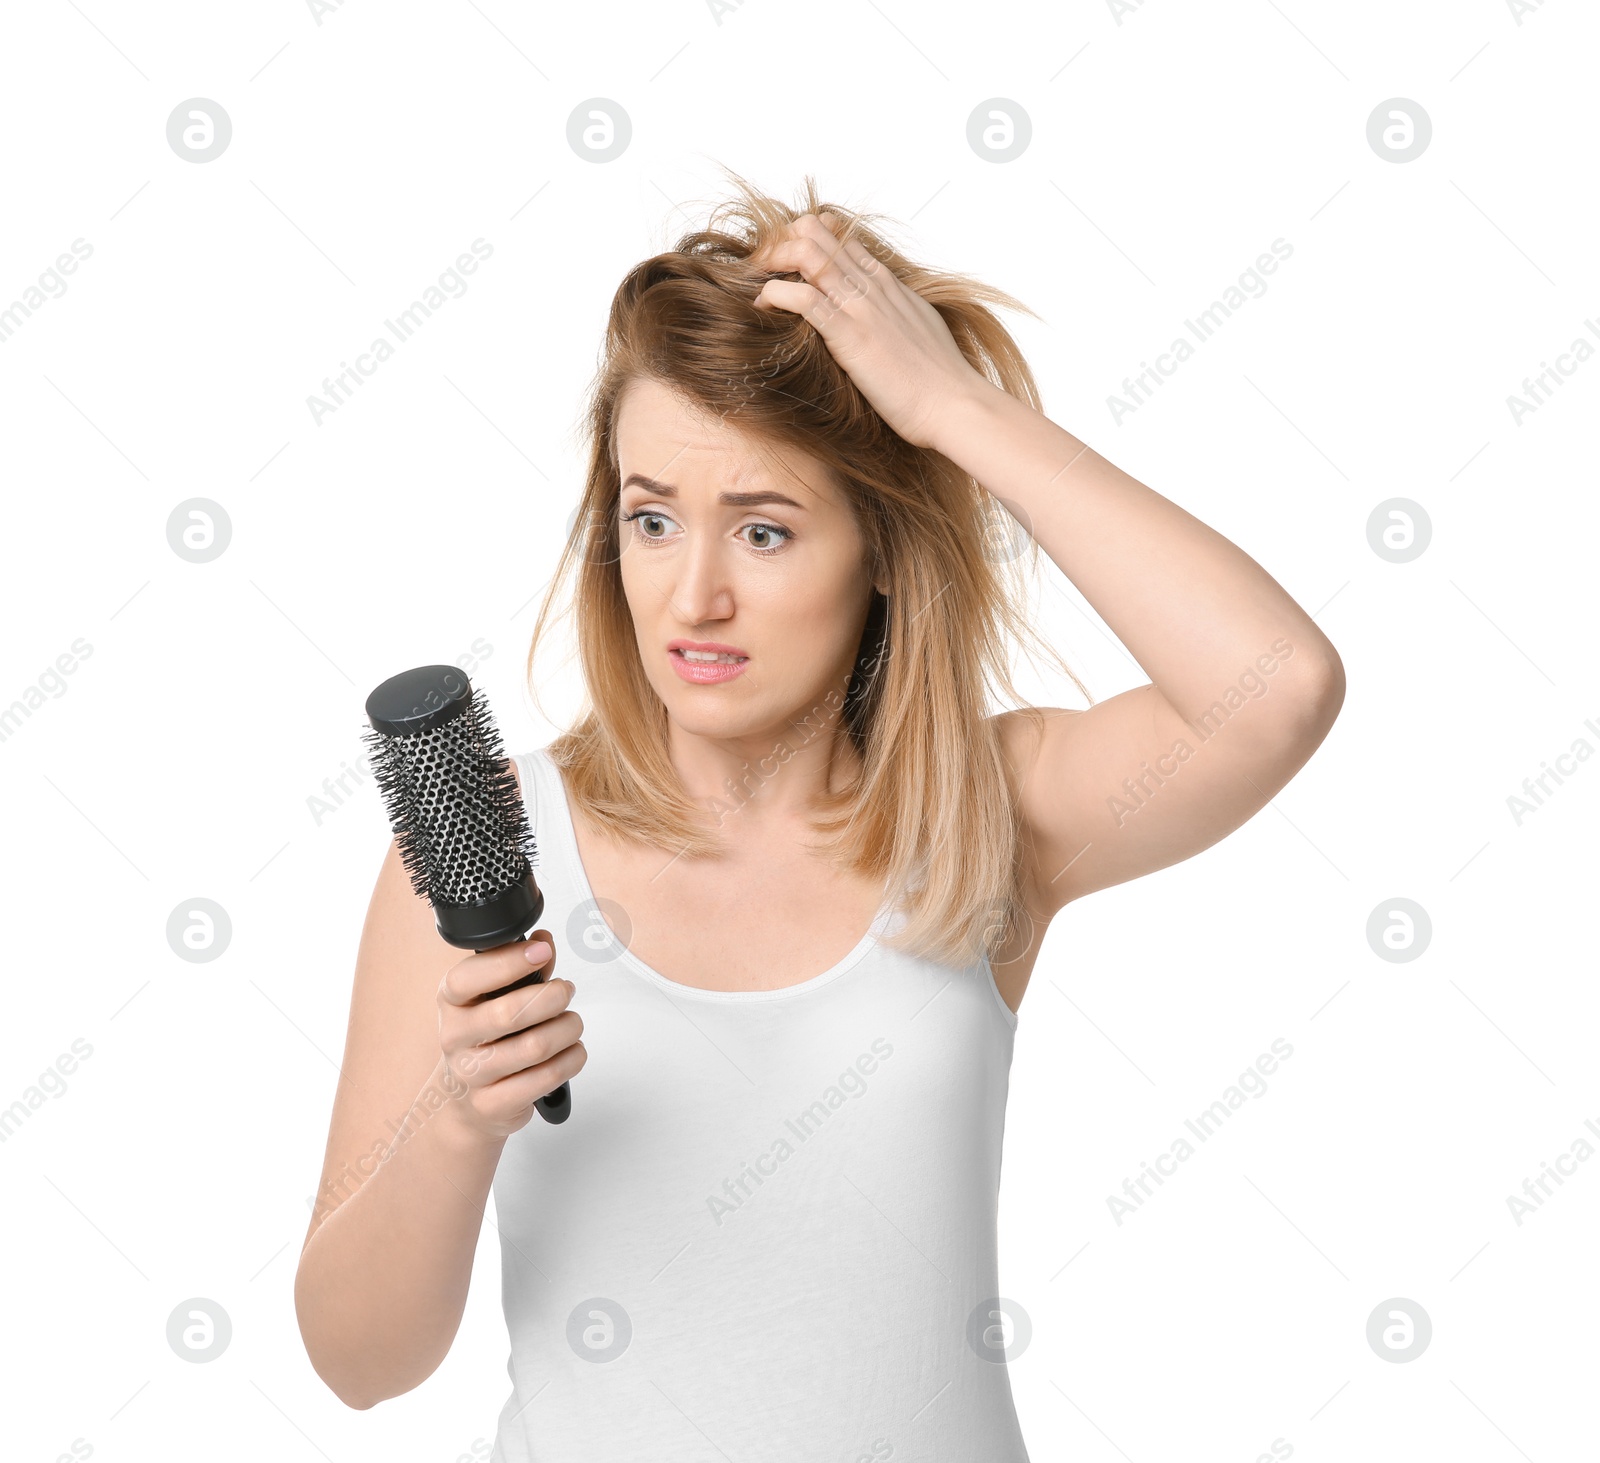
[798, 873]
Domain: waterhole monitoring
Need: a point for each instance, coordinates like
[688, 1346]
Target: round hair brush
[459, 822]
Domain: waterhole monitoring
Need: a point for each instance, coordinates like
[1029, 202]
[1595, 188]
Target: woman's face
[723, 551]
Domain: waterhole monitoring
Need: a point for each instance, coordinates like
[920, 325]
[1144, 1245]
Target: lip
[707, 673]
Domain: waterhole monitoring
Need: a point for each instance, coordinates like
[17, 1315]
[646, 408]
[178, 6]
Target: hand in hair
[891, 342]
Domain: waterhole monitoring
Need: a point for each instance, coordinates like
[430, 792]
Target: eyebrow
[734, 500]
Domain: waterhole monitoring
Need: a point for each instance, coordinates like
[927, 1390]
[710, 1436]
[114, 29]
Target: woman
[768, 1229]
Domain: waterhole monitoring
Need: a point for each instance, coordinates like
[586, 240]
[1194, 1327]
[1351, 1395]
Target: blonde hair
[930, 812]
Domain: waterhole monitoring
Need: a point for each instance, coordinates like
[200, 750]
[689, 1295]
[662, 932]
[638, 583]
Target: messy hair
[930, 813]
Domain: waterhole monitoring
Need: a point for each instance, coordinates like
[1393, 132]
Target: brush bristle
[459, 819]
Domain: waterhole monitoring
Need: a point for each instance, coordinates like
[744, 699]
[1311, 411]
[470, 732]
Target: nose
[702, 592]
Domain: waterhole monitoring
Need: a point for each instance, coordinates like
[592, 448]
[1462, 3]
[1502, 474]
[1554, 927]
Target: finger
[798, 298]
[491, 970]
[489, 1063]
[847, 251]
[512, 1012]
[510, 1095]
[823, 266]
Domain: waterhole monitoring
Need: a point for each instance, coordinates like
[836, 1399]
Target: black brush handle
[504, 920]
[556, 1106]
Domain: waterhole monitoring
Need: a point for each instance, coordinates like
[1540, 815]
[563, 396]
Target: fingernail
[537, 951]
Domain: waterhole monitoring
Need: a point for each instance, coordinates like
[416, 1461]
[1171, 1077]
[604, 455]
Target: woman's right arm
[434, 1080]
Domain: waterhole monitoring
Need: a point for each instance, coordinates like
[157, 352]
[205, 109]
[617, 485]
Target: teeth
[708, 657]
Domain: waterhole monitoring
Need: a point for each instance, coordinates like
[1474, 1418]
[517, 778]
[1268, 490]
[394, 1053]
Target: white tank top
[767, 1229]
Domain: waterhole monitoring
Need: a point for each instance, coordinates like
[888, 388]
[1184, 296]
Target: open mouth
[706, 667]
[708, 657]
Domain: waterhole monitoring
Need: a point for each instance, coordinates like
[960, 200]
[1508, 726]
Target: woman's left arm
[1243, 685]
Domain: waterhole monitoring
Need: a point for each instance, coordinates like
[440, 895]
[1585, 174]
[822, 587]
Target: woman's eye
[772, 537]
[647, 524]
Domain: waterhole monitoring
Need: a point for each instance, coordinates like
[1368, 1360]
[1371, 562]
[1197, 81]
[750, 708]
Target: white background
[1168, 150]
